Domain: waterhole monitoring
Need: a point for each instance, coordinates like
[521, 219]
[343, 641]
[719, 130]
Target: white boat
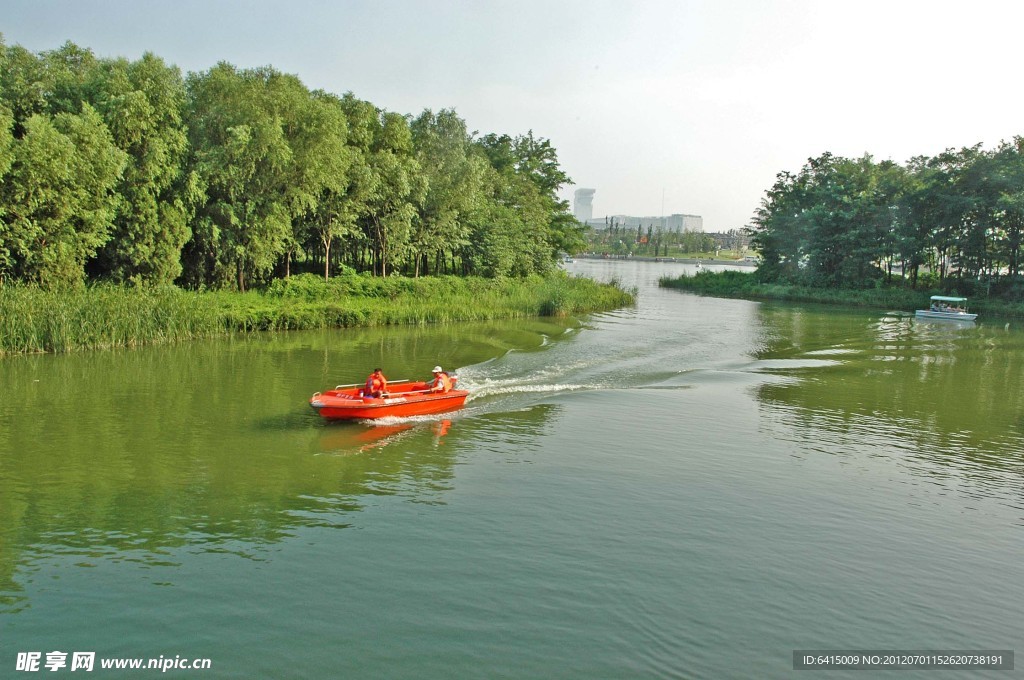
[945, 307]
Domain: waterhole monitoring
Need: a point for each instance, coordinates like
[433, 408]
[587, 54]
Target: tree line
[956, 218]
[128, 171]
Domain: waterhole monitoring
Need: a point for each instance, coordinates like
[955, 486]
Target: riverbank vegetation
[860, 232]
[737, 284]
[953, 222]
[104, 316]
[138, 205]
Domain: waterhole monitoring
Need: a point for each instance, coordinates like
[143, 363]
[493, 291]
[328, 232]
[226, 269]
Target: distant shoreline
[735, 284]
[678, 260]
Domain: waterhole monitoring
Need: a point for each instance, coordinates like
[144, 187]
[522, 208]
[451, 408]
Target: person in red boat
[376, 385]
[441, 382]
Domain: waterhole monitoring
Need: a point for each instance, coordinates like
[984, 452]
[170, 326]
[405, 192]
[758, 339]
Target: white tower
[583, 204]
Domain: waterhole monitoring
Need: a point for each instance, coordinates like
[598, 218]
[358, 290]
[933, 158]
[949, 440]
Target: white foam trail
[485, 390]
[410, 420]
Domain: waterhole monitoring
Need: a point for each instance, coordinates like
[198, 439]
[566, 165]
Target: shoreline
[676, 260]
[733, 284]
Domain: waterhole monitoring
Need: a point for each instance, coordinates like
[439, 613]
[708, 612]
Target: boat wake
[506, 387]
[488, 396]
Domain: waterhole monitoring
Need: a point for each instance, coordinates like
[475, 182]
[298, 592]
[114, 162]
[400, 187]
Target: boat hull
[409, 400]
[951, 316]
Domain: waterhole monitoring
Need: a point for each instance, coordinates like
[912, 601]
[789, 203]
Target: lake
[691, 488]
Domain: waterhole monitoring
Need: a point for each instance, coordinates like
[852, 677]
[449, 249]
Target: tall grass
[309, 302]
[99, 317]
[106, 316]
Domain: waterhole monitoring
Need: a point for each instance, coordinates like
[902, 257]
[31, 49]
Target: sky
[661, 106]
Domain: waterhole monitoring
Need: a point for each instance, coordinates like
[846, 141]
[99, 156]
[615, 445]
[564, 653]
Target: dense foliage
[126, 171]
[955, 219]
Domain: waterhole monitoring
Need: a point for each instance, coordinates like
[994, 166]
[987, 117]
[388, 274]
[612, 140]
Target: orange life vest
[375, 384]
[442, 383]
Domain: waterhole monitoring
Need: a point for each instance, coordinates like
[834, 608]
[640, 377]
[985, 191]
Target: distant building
[583, 204]
[676, 222]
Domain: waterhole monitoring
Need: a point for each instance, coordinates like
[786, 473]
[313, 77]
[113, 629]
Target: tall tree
[265, 150]
[950, 205]
[778, 229]
[24, 84]
[6, 158]
[58, 197]
[527, 180]
[453, 180]
[343, 203]
[830, 224]
[317, 131]
[143, 105]
[1010, 202]
[397, 186]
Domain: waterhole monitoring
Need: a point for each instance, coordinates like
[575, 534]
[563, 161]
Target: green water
[693, 488]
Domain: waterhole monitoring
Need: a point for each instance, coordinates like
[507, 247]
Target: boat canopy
[944, 298]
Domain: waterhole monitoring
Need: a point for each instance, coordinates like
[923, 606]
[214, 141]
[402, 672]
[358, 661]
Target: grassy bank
[100, 317]
[743, 285]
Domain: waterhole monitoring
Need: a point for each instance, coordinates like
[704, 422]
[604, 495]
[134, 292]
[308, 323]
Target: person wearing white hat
[441, 383]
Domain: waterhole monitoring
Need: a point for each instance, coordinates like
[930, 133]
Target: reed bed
[99, 317]
[107, 316]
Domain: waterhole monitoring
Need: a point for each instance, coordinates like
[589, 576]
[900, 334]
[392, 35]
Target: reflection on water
[123, 456]
[632, 494]
[350, 438]
[940, 398]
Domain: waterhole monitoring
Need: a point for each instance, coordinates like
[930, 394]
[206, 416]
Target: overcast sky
[674, 106]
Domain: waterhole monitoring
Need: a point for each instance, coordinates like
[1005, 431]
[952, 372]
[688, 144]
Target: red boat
[345, 402]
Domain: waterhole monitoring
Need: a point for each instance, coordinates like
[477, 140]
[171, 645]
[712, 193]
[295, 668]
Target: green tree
[504, 238]
[949, 206]
[778, 230]
[24, 82]
[6, 158]
[912, 235]
[538, 160]
[6, 141]
[831, 224]
[1009, 207]
[264, 150]
[851, 220]
[58, 199]
[454, 179]
[397, 185]
[143, 105]
[317, 131]
[343, 200]
[525, 178]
